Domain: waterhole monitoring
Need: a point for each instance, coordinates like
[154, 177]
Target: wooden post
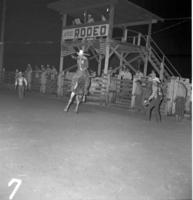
[99, 64]
[161, 75]
[139, 39]
[145, 64]
[149, 35]
[107, 50]
[2, 35]
[133, 93]
[148, 48]
[121, 59]
[106, 58]
[124, 39]
[134, 38]
[85, 16]
[64, 19]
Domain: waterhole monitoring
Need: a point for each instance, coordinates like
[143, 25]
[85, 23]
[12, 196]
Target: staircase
[136, 42]
[159, 60]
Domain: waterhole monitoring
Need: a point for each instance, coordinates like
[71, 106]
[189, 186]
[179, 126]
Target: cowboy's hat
[82, 53]
[156, 80]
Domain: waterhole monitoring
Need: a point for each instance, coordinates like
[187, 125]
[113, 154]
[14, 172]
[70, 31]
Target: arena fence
[104, 90]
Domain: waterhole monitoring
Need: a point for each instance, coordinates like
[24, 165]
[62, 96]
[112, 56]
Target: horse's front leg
[84, 98]
[78, 100]
[70, 101]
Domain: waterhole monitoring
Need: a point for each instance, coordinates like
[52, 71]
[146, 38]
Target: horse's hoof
[76, 111]
[65, 110]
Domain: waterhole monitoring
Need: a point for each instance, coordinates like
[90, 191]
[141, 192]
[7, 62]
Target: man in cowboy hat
[155, 98]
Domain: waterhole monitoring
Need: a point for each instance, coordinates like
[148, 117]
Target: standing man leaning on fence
[37, 72]
[43, 81]
[20, 85]
[180, 100]
[28, 75]
[53, 73]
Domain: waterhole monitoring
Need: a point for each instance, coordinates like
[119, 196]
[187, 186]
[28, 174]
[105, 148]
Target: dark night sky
[31, 20]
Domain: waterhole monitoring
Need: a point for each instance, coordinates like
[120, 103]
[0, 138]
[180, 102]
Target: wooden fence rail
[103, 90]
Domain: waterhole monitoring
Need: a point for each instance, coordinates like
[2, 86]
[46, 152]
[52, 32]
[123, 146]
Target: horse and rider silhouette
[80, 82]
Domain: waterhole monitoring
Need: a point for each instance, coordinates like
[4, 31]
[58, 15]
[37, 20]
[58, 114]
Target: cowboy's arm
[25, 81]
[16, 83]
[154, 90]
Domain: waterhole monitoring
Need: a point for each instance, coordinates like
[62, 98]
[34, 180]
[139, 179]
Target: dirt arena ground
[98, 154]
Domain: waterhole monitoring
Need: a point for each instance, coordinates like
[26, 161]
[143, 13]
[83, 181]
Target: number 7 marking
[19, 182]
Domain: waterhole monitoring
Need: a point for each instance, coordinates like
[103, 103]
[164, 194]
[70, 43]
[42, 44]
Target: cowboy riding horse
[80, 82]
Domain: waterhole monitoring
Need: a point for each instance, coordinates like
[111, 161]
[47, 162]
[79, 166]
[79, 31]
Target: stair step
[123, 103]
[123, 106]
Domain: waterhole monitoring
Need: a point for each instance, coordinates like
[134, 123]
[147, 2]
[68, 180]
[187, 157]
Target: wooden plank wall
[122, 91]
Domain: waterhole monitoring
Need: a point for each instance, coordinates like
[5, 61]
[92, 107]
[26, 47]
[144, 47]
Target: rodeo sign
[86, 32]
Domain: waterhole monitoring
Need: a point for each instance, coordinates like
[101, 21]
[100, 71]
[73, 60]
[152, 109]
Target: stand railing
[168, 66]
[156, 56]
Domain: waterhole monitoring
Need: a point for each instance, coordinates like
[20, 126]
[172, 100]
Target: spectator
[42, 67]
[20, 84]
[179, 107]
[121, 73]
[16, 73]
[180, 101]
[127, 75]
[92, 73]
[60, 83]
[37, 72]
[151, 75]
[76, 21]
[28, 75]
[43, 81]
[110, 71]
[48, 70]
[53, 73]
[138, 75]
[90, 19]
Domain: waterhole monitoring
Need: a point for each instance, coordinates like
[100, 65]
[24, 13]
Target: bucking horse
[80, 82]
